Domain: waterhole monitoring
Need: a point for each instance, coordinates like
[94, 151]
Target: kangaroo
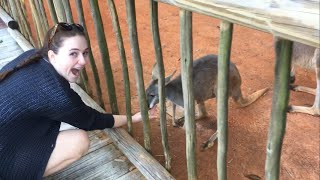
[204, 76]
[307, 57]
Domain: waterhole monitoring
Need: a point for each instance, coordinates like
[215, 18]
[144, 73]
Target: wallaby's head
[152, 89]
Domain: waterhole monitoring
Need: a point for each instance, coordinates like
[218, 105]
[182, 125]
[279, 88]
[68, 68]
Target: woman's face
[71, 57]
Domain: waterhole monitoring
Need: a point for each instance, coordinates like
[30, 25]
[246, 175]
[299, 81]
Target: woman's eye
[85, 54]
[74, 54]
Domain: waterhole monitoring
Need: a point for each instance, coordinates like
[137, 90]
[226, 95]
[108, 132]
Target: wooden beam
[23, 43]
[293, 20]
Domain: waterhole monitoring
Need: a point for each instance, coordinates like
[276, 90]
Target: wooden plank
[6, 38]
[3, 62]
[146, 164]
[4, 32]
[98, 140]
[7, 48]
[23, 43]
[8, 54]
[7, 42]
[133, 175]
[280, 18]
[89, 163]
[108, 170]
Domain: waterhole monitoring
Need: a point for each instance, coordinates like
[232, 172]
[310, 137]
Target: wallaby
[307, 57]
[204, 76]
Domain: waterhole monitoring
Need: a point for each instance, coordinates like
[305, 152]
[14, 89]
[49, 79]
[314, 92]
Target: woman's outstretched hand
[152, 115]
[120, 120]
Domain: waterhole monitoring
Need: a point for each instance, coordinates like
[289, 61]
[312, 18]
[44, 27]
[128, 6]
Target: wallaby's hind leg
[210, 142]
[315, 109]
[202, 110]
[303, 89]
[174, 107]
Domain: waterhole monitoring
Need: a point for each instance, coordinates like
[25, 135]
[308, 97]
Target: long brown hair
[52, 41]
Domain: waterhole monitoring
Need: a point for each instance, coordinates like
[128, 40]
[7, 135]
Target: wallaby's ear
[167, 80]
[155, 72]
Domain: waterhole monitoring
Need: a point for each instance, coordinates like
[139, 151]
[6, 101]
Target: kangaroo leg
[202, 110]
[303, 89]
[315, 109]
[174, 107]
[210, 142]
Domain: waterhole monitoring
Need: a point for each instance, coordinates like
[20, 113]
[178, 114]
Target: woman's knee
[82, 142]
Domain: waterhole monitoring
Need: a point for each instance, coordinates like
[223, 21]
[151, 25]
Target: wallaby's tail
[245, 101]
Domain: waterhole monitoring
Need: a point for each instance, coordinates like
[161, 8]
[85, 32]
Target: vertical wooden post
[43, 16]
[95, 11]
[161, 81]
[68, 12]
[36, 18]
[122, 54]
[186, 53]
[52, 12]
[280, 100]
[82, 21]
[60, 12]
[226, 29]
[133, 34]
[16, 16]
[22, 14]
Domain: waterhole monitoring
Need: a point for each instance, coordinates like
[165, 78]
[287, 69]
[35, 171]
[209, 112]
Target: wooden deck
[113, 153]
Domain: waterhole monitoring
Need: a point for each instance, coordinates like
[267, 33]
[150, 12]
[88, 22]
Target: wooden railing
[288, 20]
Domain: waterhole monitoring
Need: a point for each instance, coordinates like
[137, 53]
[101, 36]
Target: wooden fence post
[226, 29]
[280, 100]
[186, 52]
[133, 34]
[82, 21]
[122, 54]
[161, 81]
[95, 11]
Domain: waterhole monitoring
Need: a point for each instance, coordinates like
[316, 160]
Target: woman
[35, 97]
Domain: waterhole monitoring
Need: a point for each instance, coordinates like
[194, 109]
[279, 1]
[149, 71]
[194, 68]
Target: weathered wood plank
[98, 140]
[4, 32]
[133, 175]
[7, 48]
[3, 62]
[108, 170]
[6, 38]
[146, 164]
[89, 163]
[280, 18]
[8, 54]
[8, 43]
[23, 43]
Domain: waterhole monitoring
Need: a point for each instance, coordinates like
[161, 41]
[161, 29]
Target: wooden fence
[288, 20]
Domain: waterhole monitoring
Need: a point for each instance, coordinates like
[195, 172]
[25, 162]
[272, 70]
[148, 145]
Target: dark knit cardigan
[34, 100]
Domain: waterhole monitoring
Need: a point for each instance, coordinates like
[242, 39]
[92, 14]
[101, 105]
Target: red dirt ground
[252, 52]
